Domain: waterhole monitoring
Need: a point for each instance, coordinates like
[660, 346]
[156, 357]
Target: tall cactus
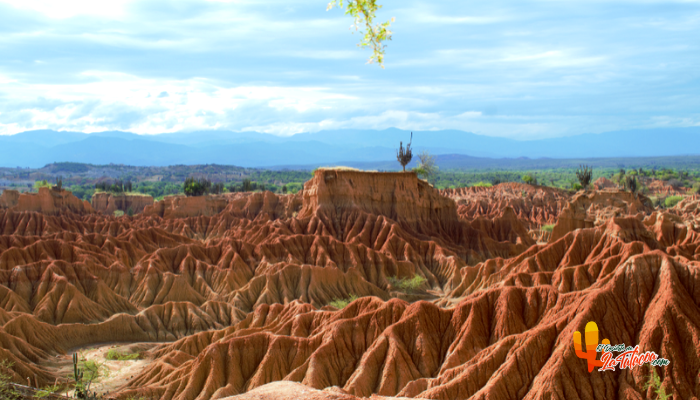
[82, 389]
[404, 156]
[584, 175]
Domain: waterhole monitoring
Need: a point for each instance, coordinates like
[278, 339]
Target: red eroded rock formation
[660, 187]
[240, 288]
[603, 183]
[588, 209]
[534, 205]
[9, 198]
[492, 344]
[183, 206]
[108, 203]
[47, 201]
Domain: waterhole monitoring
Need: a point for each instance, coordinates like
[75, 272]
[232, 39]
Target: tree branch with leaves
[426, 166]
[364, 14]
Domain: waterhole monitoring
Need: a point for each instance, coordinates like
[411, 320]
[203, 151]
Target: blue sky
[519, 69]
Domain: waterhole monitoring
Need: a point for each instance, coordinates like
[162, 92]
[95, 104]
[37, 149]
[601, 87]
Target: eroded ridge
[237, 288]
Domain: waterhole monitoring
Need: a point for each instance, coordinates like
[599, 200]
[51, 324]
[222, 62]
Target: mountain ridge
[254, 149]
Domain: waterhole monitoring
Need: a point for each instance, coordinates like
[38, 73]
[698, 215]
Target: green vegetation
[82, 192]
[426, 166]
[672, 201]
[548, 228]
[196, 187]
[70, 167]
[335, 168]
[159, 182]
[7, 391]
[482, 184]
[529, 179]
[85, 373]
[363, 12]
[656, 386]
[584, 174]
[341, 303]
[118, 186]
[248, 186]
[118, 213]
[630, 183]
[406, 285]
[41, 184]
[47, 391]
[113, 354]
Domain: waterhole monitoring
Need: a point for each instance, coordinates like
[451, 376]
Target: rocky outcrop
[183, 206]
[9, 198]
[659, 187]
[239, 291]
[46, 201]
[533, 205]
[589, 209]
[108, 203]
[400, 196]
[513, 339]
[603, 183]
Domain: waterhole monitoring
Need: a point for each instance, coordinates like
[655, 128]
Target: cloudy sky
[521, 69]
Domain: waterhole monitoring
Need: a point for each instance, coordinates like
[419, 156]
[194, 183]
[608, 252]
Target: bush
[46, 392]
[548, 228]
[672, 201]
[341, 303]
[406, 285]
[113, 354]
[196, 187]
[7, 391]
[482, 184]
[529, 179]
[217, 188]
[118, 213]
[119, 186]
[577, 186]
[655, 385]
[85, 373]
[41, 184]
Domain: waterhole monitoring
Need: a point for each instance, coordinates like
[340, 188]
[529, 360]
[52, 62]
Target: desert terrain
[361, 285]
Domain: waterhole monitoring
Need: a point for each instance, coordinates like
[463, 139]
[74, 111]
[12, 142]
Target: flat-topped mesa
[47, 201]
[400, 196]
[108, 203]
[9, 198]
[250, 205]
[184, 206]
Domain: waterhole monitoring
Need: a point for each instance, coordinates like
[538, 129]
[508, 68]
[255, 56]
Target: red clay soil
[534, 206]
[108, 203]
[241, 294]
[603, 183]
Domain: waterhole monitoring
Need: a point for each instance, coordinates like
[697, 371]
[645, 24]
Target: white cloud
[71, 8]
[549, 67]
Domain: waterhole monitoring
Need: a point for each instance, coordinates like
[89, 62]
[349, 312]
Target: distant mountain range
[370, 148]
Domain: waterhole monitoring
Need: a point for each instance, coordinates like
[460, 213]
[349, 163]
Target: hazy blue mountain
[254, 149]
[43, 138]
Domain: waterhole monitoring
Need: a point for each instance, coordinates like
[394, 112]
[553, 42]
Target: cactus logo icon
[591, 353]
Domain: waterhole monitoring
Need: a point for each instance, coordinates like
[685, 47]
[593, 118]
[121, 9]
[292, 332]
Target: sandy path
[119, 371]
